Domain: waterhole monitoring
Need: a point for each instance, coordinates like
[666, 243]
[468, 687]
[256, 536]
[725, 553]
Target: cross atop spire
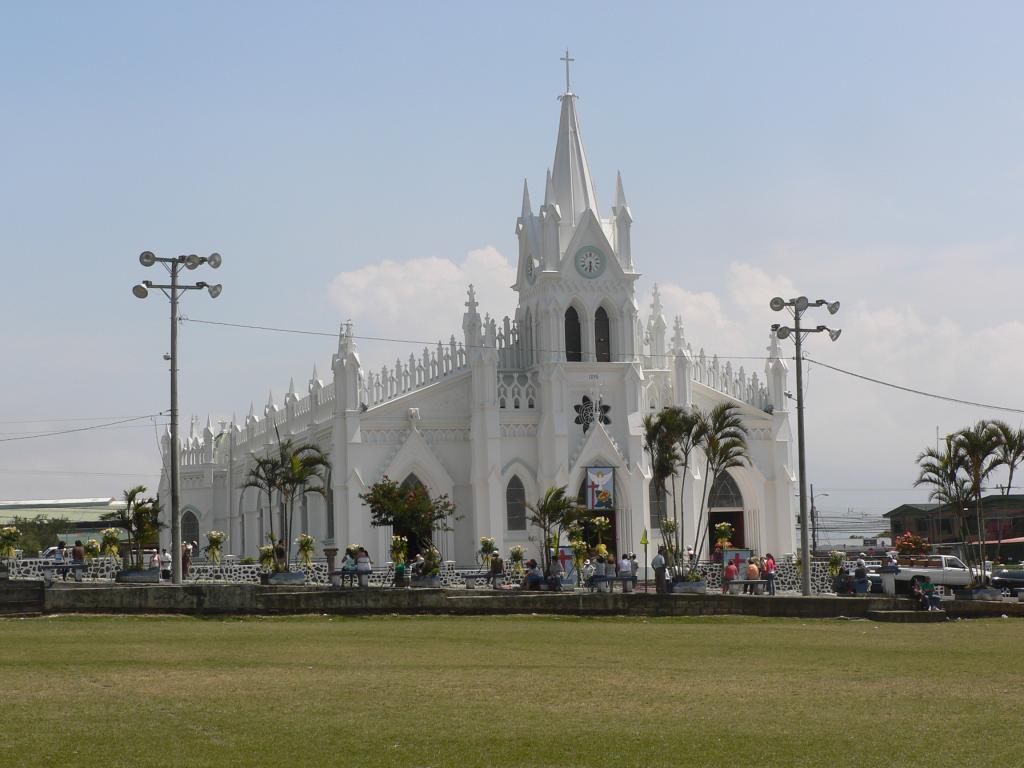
[567, 60]
[471, 305]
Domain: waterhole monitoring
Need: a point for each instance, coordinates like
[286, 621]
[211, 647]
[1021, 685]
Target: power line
[913, 391]
[78, 429]
[54, 421]
[332, 334]
[129, 426]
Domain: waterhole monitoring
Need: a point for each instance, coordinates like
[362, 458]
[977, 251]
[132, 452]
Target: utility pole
[172, 291]
[798, 306]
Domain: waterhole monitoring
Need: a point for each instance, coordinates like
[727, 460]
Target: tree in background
[550, 515]
[39, 532]
[409, 508]
[140, 518]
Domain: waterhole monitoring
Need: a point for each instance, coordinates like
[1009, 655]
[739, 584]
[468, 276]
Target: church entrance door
[734, 518]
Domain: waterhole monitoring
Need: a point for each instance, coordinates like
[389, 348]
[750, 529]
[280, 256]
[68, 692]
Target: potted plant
[306, 546]
[92, 550]
[9, 536]
[487, 548]
[399, 552]
[517, 556]
[139, 519]
[427, 570]
[214, 549]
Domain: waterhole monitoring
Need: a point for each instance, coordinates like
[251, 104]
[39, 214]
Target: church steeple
[574, 190]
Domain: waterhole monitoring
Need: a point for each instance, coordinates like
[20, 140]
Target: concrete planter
[690, 587]
[290, 578]
[135, 576]
[426, 581]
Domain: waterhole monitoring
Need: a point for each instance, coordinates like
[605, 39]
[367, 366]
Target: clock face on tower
[590, 262]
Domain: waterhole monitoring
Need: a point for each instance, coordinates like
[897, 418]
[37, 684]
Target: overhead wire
[78, 429]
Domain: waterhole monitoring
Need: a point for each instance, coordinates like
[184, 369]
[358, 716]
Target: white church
[554, 396]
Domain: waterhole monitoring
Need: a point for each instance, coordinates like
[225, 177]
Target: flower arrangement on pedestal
[92, 549]
[431, 562]
[909, 544]
[267, 557]
[306, 545]
[487, 548]
[580, 548]
[836, 561]
[216, 541]
[516, 555]
[601, 527]
[723, 535]
[9, 536]
[111, 542]
[399, 549]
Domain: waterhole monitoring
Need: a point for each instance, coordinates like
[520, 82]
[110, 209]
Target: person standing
[731, 574]
[626, 572]
[186, 559]
[165, 564]
[497, 571]
[769, 572]
[363, 568]
[753, 574]
[58, 559]
[658, 564]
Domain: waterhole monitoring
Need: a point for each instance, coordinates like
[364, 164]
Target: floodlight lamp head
[801, 303]
[833, 307]
[214, 260]
[834, 335]
[192, 261]
[140, 291]
[214, 290]
[147, 258]
[783, 332]
[777, 304]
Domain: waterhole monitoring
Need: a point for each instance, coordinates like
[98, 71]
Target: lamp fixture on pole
[797, 307]
[174, 264]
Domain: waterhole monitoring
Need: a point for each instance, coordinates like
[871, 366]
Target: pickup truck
[941, 570]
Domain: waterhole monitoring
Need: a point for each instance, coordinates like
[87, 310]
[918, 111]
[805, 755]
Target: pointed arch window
[657, 504]
[725, 494]
[602, 336]
[515, 505]
[573, 337]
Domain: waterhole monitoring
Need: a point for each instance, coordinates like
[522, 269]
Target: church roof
[571, 182]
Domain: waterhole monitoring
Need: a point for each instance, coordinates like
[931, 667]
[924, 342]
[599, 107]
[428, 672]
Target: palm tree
[263, 476]
[945, 473]
[1011, 450]
[979, 446]
[303, 470]
[659, 444]
[723, 439]
[138, 518]
[550, 514]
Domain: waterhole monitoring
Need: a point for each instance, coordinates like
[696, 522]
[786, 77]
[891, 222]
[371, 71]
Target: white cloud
[859, 434]
[421, 299]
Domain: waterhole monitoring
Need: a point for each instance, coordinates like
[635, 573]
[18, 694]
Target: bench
[595, 581]
[49, 568]
[484, 576]
[343, 575]
[736, 586]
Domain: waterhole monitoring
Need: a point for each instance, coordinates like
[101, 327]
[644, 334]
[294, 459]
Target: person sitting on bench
[534, 575]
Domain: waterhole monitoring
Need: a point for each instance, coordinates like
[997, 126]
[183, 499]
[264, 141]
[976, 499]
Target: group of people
[756, 569]
[77, 556]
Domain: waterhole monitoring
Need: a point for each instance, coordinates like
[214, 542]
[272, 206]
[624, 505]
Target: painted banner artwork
[601, 487]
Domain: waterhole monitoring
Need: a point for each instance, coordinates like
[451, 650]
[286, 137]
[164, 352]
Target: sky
[365, 161]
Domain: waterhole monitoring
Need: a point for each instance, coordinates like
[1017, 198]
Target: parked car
[1012, 580]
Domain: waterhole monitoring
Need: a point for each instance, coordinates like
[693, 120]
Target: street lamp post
[173, 265]
[798, 306]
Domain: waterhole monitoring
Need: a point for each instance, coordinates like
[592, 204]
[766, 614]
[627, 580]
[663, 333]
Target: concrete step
[907, 617]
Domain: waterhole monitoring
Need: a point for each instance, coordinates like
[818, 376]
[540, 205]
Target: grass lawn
[511, 691]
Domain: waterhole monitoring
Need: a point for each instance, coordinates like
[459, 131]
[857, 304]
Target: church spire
[527, 211]
[573, 185]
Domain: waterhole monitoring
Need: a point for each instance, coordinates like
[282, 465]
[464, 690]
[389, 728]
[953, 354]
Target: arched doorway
[573, 336]
[189, 526]
[725, 505]
[591, 534]
[411, 482]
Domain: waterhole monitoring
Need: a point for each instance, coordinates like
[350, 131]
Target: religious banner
[601, 488]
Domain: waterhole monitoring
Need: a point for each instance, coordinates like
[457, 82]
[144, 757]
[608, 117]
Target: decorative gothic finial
[472, 304]
[678, 340]
[773, 346]
[656, 307]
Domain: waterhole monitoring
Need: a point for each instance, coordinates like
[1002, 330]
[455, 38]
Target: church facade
[492, 417]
